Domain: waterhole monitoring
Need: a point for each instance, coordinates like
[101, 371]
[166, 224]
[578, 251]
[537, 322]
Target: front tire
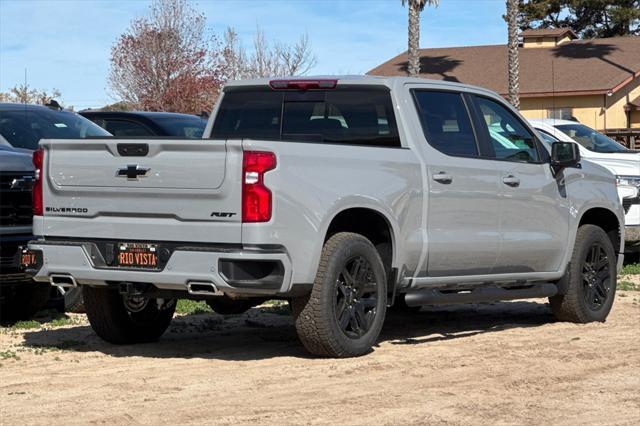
[590, 279]
[343, 315]
[124, 320]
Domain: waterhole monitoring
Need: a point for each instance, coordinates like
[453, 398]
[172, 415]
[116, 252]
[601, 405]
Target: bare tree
[514, 62]
[266, 59]
[415, 7]
[296, 59]
[24, 94]
[234, 57]
[167, 61]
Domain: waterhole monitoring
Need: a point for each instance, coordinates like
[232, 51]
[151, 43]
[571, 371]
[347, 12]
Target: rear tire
[21, 300]
[590, 279]
[119, 320]
[343, 315]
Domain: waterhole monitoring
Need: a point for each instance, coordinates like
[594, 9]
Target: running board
[479, 295]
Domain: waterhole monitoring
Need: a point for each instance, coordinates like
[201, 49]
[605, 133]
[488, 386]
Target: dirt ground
[502, 363]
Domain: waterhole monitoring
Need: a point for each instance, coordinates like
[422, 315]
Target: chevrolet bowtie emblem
[132, 172]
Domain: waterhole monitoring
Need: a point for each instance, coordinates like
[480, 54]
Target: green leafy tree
[415, 7]
[588, 18]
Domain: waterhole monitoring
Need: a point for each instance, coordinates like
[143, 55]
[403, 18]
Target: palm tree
[415, 7]
[514, 63]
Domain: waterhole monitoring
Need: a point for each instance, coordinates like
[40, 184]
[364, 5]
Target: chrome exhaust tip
[62, 280]
[203, 288]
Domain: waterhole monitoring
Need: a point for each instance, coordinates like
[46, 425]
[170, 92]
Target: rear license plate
[28, 258]
[137, 255]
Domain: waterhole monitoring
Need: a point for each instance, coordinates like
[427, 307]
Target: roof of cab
[150, 114]
[391, 82]
[551, 121]
[25, 107]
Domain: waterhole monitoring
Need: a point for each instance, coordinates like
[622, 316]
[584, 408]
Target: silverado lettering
[66, 210]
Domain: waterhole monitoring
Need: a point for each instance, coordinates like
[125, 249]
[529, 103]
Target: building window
[564, 113]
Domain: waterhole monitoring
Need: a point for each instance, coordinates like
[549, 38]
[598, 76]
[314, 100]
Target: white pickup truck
[624, 163]
[343, 195]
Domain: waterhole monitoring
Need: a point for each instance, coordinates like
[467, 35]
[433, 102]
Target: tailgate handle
[133, 149]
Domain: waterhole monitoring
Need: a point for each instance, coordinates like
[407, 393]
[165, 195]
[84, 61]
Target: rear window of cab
[347, 116]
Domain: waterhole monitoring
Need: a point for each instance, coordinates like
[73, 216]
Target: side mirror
[563, 155]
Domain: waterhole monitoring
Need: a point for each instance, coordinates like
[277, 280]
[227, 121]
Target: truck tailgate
[180, 190]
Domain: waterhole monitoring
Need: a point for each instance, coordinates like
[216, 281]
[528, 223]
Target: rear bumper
[246, 271]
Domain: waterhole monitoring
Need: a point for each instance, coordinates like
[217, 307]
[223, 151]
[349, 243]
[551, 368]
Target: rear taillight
[38, 161]
[256, 197]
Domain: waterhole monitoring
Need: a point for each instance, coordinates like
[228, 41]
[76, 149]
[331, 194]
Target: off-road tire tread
[570, 307]
[311, 319]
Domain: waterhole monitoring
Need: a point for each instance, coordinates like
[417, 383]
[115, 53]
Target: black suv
[21, 128]
[134, 124]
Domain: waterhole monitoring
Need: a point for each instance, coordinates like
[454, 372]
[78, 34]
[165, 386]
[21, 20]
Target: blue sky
[66, 43]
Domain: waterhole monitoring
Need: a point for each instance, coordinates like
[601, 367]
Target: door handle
[511, 180]
[442, 177]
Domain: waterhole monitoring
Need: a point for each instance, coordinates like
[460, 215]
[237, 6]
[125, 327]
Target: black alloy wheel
[356, 297]
[596, 277]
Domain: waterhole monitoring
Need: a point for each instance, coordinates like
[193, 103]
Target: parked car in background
[624, 163]
[343, 195]
[139, 123]
[20, 296]
[21, 129]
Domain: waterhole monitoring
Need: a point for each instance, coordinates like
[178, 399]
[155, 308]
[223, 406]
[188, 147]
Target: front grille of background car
[15, 203]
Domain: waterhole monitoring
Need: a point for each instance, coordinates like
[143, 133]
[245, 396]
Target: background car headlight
[628, 180]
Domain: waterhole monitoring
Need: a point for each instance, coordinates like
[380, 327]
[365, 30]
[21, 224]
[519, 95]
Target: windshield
[24, 129]
[183, 127]
[547, 137]
[590, 139]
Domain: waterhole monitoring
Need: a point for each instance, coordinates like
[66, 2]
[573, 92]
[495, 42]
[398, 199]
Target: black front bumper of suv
[10, 249]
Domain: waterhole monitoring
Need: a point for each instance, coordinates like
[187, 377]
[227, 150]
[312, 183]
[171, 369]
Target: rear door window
[446, 123]
[342, 116]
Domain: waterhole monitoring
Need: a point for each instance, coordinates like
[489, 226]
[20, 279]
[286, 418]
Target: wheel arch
[367, 221]
[607, 220]
[377, 228]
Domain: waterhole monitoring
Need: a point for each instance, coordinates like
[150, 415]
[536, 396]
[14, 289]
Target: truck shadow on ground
[260, 334]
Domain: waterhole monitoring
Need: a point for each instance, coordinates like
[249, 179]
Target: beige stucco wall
[589, 109]
[534, 42]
